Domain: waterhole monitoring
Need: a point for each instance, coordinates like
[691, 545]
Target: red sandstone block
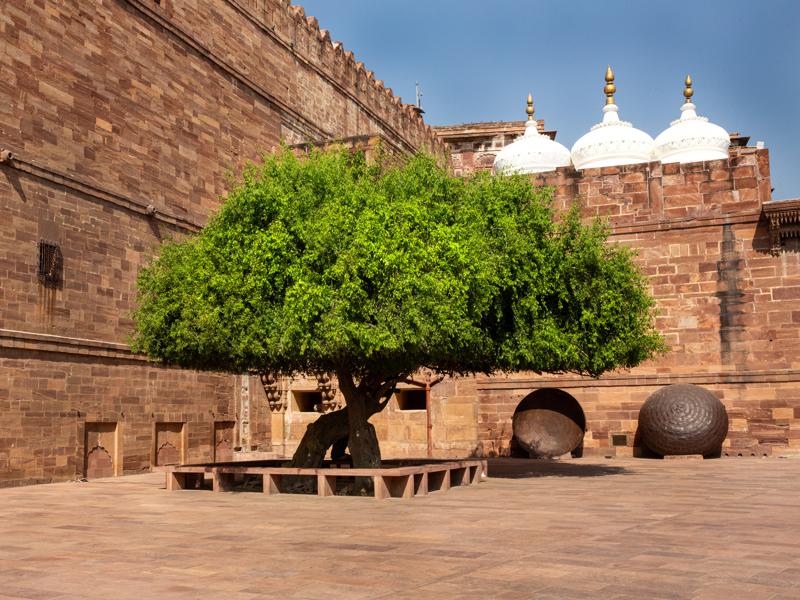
[635, 177]
[677, 200]
[634, 187]
[743, 172]
[762, 158]
[673, 179]
[716, 186]
[693, 167]
[670, 169]
[745, 183]
[765, 190]
[707, 267]
[721, 163]
[747, 197]
[640, 198]
[766, 271]
[679, 279]
[786, 293]
[697, 177]
[683, 188]
[713, 198]
[720, 174]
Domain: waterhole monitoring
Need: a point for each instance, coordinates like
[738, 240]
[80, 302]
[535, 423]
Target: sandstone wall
[402, 430]
[726, 306]
[125, 118]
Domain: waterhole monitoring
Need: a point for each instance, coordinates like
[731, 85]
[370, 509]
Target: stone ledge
[720, 377]
[683, 457]
[401, 481]
[45, 342]
[92, 191]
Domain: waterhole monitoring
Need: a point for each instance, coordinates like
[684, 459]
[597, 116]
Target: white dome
[612, 142]
[691, 138]
[531, 153]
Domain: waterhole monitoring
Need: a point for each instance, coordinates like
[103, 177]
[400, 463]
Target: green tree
[371, 272]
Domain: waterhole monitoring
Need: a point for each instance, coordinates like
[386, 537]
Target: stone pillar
[244, 413]
[277, 401]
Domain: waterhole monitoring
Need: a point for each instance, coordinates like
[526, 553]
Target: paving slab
[622, 528]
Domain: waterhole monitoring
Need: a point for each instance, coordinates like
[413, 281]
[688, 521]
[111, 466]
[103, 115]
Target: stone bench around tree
[388, 482]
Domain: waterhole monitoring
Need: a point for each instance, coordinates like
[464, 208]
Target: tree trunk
[362, 402]
[363, 440]
[320, 436]
[351, 422]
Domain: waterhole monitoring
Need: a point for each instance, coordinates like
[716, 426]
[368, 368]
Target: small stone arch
[167, 455]
[99, 463]
[548, 423]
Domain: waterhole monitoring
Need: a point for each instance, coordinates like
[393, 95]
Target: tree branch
[346, 383]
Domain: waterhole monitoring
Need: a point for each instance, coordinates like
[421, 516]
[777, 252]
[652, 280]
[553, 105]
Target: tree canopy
[373, 271]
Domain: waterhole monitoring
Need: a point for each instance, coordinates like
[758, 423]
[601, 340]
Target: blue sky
[476, 60]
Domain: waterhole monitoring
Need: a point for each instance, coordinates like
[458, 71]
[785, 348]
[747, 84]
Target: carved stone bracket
[276, 397]
[329, 401]
[783, 217]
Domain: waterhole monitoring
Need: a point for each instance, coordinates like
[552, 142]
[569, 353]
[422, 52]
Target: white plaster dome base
[531, 153]
[611, 143]
[691, 139]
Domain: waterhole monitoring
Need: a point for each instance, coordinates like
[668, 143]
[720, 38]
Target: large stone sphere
[548, 423]
[683, 419]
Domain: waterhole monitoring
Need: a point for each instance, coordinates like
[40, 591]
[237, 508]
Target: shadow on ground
[521, 468]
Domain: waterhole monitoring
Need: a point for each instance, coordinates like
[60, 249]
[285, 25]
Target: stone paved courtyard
[628, 528]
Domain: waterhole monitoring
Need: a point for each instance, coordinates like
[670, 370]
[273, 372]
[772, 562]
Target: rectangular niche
[170, 444]
[306, 400]
[410, 399]
[101, 455]
[224, 440]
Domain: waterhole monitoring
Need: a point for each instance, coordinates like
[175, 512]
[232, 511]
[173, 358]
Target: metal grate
[51, 263]
[619, 439]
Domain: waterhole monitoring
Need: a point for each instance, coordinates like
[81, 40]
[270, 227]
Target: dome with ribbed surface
[531, 152]
[691, 138]
[612, 142]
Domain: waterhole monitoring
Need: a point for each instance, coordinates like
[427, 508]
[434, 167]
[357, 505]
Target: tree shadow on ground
[521, 468]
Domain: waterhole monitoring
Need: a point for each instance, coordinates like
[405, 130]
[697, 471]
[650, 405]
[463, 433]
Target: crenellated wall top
[313, 45]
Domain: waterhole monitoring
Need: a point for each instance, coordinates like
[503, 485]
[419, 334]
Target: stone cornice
[45, 342]
[500, 384]
[141, 207]
[674, 224]
[783, 217]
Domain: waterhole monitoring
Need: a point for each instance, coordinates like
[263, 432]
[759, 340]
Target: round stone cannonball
[548, 423]
[683, 419]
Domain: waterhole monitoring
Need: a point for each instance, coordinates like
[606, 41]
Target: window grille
[51, 263]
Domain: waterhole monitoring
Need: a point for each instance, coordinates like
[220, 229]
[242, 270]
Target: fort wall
[726, 304]
[125, 119]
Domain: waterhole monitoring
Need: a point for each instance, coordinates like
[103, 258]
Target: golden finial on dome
[529, 110]
[688, 92]
[610, 87]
